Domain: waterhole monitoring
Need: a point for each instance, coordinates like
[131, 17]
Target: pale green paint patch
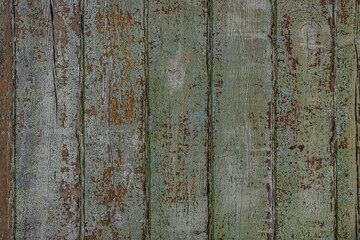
[242, 120]
[345, 81]
[305, 118]
[177, 123]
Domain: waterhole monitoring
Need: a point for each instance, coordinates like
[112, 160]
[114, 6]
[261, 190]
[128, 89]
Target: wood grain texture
[114, 120]
[47, 91]
[6, 111]
[178, 118]
[242, 119]
[357, 112]
[345, 73]
[305, 120]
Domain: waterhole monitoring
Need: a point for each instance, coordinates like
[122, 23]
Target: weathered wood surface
[179, 119]
[357, 110]
[305, 120]
[114, 95]
[46, 171]
[6, 133]
[345, 126]
[242, 120]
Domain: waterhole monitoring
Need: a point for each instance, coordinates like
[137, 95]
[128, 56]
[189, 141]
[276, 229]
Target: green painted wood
[114, 120]
[178, 119]
[242, 120]
[357, 110]
[305, 120]
[47, 99]
[345, 72]
[6, 111]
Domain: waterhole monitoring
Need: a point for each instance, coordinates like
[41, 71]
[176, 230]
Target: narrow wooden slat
[357, 110]
[242, 110]
[345, 72]
[114, 128]
[305, 120]
[178, 118]
[47, 102]
[6, 90]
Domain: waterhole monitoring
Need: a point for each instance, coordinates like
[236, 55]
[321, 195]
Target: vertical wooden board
[242, 123]
[177, 123]
[345, 72]
[114, 128]
[357, 110]
[305, 120]
[6, 106]
[47, 91]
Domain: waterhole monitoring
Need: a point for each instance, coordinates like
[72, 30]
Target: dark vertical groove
[333, 141]
[273, 170]
[356, 28]
[13, 123]
[54, 57]
[209, 112]
[81, 133]
[147, 185]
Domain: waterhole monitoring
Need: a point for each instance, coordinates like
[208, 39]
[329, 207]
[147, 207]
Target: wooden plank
[345, 72]
[357, 110]
[47, 102]
[6, 111]
[242, 123]
[305, 116]
[114, 129]
[178, 118]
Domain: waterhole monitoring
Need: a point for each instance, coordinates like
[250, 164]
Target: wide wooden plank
[242, 120]
[305, 115]
[178, 118]
[114, 120]
[6, 111]
[345, 81]
[47, 102]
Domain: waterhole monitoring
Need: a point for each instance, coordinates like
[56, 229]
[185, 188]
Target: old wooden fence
[179, 119]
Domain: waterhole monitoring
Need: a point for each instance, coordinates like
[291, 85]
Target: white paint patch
[242, 20]
[310, 34]
[128, 174]
[176, 71]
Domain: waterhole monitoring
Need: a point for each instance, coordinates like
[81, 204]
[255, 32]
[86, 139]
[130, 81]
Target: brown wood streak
[5, 117]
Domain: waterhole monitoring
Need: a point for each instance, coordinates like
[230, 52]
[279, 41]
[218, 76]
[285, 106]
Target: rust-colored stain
[5, 118]
[65, 154]
[63, 116]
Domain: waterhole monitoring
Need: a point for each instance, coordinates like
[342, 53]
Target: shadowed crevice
[54, 57]
[333, 140]
[209, 112]
[273, 170]
[147, 184]
[80, 129]
[13, 122]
